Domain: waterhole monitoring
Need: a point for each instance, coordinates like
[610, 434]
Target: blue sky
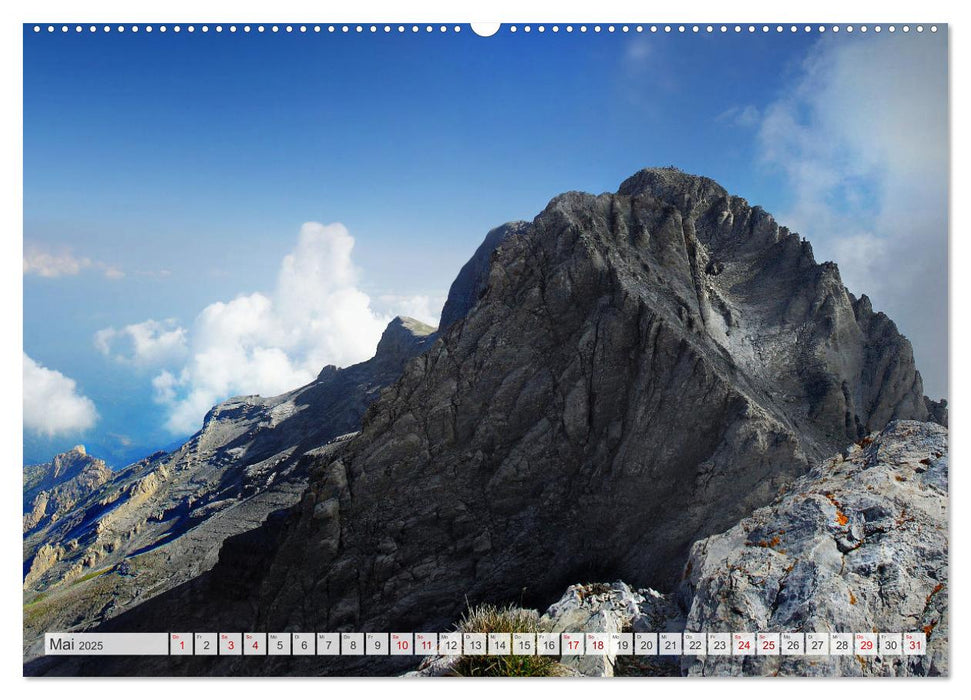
[166, 176]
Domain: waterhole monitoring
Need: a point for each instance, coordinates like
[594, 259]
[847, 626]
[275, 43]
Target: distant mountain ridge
[53, 488]
[148, 527]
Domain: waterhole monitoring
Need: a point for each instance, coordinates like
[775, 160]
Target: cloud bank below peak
[264, 343]
[52, 404]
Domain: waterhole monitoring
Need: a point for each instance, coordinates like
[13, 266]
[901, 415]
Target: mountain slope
[52, 489]
[161, 521]
[631, 373]
[642, 369]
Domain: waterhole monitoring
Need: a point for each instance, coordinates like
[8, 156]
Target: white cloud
[46, 263]
[147, 343]
[861, 138]
[52, 404]
[270, 343]
[747, 116]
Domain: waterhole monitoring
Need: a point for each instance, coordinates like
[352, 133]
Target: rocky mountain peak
[400, 338]
[660, 361]
[52, 488]
[473, 277]
[612, 382]
[674, 187]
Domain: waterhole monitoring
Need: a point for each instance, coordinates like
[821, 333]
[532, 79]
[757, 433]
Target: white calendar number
[793, 643]
[278, 644]
[695, 643]
[352, 644]
[523, 643]
[473, 643]
[450, 643]
[719, 643]
[402, 644]
[548, 643]
[817, 644]
[597, 643]
[500, 643]
[645, 643]
[205, 643]
[180, 644]
[621, 643]
[669, 643]
[866, 643]
[891, 644]
[304, 643]
[767, 644]
[376, 643]
[230, 644]
[329, 644]
[254, 644]
[571, 643]
[840, 644]
[743, 644]
[915, 643]
[426, 643]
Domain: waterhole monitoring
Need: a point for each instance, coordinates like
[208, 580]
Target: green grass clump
[93, 574]
[489, 618]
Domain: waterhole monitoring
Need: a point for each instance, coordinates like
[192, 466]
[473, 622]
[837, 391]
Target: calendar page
[437, 349]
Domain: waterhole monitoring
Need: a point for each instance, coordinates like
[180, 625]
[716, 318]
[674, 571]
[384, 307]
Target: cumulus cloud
[63, 263]
[147, 343]
[860, 136]
[270, 343]
[52, 404]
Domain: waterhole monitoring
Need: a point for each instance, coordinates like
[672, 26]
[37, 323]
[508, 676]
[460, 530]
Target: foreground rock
[108, 542]
[858, 544]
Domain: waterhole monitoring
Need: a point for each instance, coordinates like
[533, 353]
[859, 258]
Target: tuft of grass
[93, 574]
[509, 619]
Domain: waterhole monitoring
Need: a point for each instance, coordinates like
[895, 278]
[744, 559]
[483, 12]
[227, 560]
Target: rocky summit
[54, 488]
[640, 370]
[622, 377]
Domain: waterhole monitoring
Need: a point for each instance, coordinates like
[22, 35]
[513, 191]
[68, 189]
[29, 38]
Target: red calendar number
[866, 645]
[744, 645]
[768, 645]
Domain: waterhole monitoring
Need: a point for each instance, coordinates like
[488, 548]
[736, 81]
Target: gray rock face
[155, 524]
[635, 371]
[641, 370]
[474, 276]
[52, 489]
[858, 544]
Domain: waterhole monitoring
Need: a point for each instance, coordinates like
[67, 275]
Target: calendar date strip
[486, 644]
